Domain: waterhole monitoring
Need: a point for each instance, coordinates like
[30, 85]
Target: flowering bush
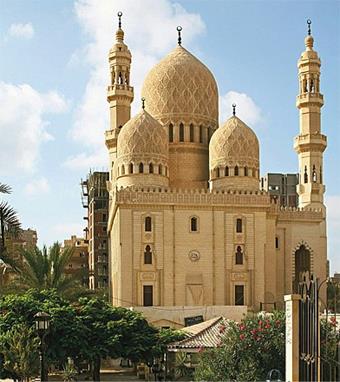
[249, 350]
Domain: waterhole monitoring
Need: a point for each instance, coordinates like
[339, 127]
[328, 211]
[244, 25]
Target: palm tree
[45, 269]
[9, 222]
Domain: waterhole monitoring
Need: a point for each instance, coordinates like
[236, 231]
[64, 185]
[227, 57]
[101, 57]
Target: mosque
[189, 229]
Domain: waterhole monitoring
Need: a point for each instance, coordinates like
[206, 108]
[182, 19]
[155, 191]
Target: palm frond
[9, 219]
[5, 189]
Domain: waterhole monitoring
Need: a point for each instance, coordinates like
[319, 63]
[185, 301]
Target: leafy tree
[248, 351]
[46, 270]
[9, 222]
[164, 338]
[19, 348]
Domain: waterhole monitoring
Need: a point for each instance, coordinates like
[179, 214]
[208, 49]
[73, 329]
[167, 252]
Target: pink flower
[242, 337]
[253, 332]
[242, 327]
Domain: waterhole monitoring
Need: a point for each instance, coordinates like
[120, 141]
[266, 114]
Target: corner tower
[310, 143]
[119, 91]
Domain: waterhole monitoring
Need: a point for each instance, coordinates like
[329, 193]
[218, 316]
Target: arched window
[131, 168]
[194, 224]
[166, 171]
[320, 174]
[305, 175]
[236, 171]
[181, 132]
[239, 256]
[123, 170]
[246, 171]
[302, 265]
[141, 168]
[191, 132]
[160, 168]
[171, 132]
[147, 255]
[148, 224]
[239, 225]
[314, 175]
[151, 168]
[120, 78]
[201, 134]
[218, 172]
[226, 171]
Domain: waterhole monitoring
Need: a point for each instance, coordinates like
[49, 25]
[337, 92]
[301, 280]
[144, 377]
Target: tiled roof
[207, 334]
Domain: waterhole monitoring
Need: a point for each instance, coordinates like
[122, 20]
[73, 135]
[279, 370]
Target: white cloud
[246, 109]
[19, 30]
[333, 220]
[150, 32]
[37, 187]
[23, 127]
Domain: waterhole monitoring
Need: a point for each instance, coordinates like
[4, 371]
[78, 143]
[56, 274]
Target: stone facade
[199, 232]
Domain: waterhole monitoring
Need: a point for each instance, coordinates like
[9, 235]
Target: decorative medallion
[194, 255]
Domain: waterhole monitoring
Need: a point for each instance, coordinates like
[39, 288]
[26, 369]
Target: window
[320, 174]
[171, 132]
[236, 171]
[151, 168]
[141, 168]
[147, 255]
[147, 295]
[226, 171]
[104, 217]
[201, 134]
[277, 242]
[217, 172]
[181, 132]
[147, 224]
[246, 171]
[104, 229]
[305, 175]
[314, 174]
[191, 132]
[239, 225]
[123, 170]
[209, 134]
[194, 224]
[160, 169]
[239, 294]
[131, 168]
[239, 256]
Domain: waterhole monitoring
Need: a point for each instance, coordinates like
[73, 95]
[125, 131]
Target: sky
[54, 73]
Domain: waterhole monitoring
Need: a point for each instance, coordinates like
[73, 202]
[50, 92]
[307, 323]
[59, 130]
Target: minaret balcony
[310, 142]
[308, 99]
[115, 87]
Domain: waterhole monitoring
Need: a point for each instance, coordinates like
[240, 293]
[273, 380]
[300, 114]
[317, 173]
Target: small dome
[142, 149]
[234, 155]
[181, 88]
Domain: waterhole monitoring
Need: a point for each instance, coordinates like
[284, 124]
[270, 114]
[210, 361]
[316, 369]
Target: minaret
[310, 143]
[119, 92]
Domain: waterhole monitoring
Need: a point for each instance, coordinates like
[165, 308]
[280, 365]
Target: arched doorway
[302, 265]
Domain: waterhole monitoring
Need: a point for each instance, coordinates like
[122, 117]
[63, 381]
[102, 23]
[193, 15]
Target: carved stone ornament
[194, 256]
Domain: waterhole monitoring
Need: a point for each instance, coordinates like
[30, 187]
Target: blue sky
[53, 74]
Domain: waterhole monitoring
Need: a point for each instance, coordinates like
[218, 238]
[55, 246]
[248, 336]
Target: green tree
[248, 351]
[45, 269]
[9, 222]
[19, 349]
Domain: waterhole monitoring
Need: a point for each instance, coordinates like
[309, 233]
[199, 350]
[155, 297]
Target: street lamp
[42, 324]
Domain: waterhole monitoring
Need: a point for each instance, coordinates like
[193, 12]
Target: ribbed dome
[180, 88]
[142, 137]
[234, 143]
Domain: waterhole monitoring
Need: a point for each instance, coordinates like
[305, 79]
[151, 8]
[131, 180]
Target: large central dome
[180, 88]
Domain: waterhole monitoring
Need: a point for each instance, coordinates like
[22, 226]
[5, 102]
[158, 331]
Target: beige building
[189, 228]
[79, 262]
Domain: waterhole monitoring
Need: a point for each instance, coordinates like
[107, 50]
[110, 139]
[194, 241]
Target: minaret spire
[234, 109]
[310, 143]
[119, 92]
[179, 30]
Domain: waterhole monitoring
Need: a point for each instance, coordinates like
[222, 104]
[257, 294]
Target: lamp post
[42, 324]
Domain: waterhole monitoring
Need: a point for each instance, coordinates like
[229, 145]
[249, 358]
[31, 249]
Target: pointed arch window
[171, 132]
[181, 132]
[218, 172]
[239, 225]
[147, 255]
[236, 171]
[314, 175]
[191, 132]
[305, 175]
[246, 171]
[148, 224]
[201, 134]
[226, 171]
[160, 168]
[151, 168]
[239, 256]
[123, 170]
[141, 168]
[131, 168]
[194, 224]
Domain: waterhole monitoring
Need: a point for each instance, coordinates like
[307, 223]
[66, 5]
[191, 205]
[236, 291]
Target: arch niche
[302, 257]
